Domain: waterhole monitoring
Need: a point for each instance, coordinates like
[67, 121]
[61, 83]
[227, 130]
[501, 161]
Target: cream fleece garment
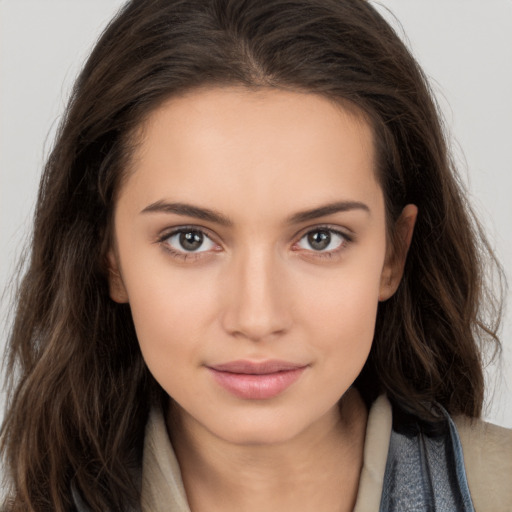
[487, 452]
[487, 455]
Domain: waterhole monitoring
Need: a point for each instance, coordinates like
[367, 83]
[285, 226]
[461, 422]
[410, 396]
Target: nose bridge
[257, 301]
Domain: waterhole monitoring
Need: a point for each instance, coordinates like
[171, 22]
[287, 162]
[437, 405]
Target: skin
[256, 289]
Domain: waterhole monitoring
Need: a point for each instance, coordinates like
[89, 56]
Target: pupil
[191, 240]
[319, 240]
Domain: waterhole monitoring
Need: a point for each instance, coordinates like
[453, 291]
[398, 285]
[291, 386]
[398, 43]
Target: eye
[323, 240]
[187, 240]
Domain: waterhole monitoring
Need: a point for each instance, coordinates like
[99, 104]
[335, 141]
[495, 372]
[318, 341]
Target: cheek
[170, 310]
[340, 314]
[347, 321]
[346, 297]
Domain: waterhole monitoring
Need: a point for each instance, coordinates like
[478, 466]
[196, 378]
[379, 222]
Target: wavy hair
[79, 389]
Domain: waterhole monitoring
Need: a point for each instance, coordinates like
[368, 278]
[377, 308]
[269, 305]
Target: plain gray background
[464, 46]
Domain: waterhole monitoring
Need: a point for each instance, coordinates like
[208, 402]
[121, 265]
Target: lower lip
[257, 386]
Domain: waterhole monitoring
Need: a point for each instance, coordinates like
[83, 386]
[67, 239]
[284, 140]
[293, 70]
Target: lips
[256, 380]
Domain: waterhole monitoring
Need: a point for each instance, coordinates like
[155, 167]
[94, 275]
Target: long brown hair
[79, 388]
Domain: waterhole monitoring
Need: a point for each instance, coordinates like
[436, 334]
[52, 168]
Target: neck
[315, 470]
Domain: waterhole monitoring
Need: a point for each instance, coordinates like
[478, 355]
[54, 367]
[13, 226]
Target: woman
[254, 282]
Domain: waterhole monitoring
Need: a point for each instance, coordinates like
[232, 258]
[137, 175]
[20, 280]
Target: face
[250, 243]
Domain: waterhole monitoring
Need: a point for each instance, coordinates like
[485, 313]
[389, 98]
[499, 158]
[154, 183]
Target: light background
[465, 47]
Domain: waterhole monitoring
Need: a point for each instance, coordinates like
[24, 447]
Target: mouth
[256, 380]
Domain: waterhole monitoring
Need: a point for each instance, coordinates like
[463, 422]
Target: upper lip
[256, 367]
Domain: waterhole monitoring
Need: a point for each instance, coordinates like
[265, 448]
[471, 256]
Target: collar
[162, 485]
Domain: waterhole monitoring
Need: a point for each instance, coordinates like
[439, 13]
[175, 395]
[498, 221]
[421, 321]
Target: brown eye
[323, 240]
[189, 240]
[319, 240]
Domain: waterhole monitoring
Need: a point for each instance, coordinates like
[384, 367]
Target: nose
[257, 305]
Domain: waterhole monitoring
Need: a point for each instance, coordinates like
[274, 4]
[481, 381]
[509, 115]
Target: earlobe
[116, 286]
[395, 260]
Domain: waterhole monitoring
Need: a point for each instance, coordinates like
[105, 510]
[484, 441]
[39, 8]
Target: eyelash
[346, 241]
[162, 240]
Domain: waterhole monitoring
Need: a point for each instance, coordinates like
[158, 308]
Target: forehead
[262, 148]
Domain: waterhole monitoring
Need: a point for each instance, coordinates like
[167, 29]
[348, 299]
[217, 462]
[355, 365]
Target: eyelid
[164, 236]
[168, 232]
[345, 233]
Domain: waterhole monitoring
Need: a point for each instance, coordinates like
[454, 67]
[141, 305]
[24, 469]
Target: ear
[116, 286]
[395, 259]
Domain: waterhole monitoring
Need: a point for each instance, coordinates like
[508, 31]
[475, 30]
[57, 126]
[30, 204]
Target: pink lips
[256, 380]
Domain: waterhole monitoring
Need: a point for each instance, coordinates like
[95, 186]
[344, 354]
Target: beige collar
[376, 446]
[162, 486]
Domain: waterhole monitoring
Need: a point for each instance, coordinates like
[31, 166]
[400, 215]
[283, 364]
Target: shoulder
[487, 450]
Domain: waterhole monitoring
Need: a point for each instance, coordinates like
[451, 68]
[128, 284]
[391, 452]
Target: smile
[256, 380]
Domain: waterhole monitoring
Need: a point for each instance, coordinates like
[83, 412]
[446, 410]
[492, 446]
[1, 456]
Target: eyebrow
[328, 209]
[207, 214]
[188, 210]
